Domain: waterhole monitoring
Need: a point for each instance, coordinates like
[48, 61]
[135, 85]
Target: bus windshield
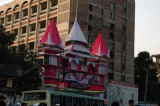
[34, 96]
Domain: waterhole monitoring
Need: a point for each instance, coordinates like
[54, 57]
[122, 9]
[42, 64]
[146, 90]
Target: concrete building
[156, 59]
[116, 19]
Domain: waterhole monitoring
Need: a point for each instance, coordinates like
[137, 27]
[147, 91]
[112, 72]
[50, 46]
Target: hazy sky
[147, 22]
[147, 26]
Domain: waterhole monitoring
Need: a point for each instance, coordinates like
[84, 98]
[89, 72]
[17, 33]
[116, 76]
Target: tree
[143, 63]
[8, 55]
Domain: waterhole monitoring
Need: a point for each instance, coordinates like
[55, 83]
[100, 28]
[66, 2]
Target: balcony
[25, 17]
[23, 35]
[9, 23]
[42, 30]
[53, 8]
[33, 14]
[16, 20]
[32, 33]
[43, 11]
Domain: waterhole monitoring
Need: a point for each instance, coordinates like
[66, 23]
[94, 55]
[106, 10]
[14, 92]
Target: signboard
[61, 86]
[121, 92]
[79, 85]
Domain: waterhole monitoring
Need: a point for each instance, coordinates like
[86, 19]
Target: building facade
[116, 19]
[156, 59]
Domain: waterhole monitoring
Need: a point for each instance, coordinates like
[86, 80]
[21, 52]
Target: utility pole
[145, 94]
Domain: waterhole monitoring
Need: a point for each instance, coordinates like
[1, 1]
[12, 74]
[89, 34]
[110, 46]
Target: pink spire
[99, 47]
[51, 36]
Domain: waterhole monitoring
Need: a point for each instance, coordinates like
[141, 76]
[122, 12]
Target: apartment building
[116, 19]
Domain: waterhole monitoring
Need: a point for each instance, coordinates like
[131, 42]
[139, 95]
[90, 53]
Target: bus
[58, 98]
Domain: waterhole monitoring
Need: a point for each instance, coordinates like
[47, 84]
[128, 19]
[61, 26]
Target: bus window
[35, 96]
[56, 99]
[85, 102]
[94, 103]
[52, 102]
[68, 101]
[76, 101]
[100, 103]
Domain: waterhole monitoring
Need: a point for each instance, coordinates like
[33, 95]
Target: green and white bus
[57, 98]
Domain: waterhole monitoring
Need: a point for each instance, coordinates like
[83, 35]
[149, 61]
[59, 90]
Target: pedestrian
[23, 104]
[131, 102]
[115, 104]
[42, 104]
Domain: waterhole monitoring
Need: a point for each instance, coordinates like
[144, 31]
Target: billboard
[121, 92]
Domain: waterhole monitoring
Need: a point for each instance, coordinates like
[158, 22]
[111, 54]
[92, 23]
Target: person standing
[131, 102]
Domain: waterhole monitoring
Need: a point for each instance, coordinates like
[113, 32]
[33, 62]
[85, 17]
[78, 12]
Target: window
[90, 7]
[34, 9]
[24, 29]
[15, 31]
[125, 3]
[112, 16]
[111, 45]
[124, 58]
[124, 28]
[112, 6]
[112, 54]
[102, 11]
[16, 15]
[111, 76]
[2, 21]
[33, 27]
[53, 2]
[111, 66]
[89, 39]
[125, 10]
[123, 78]
[111, 35]
[90, 17]
[9, 18]
[42, 24]
[124, 21]
[43, 6]
[25, 12]
[112, 26]
[31, 46]
[89, 28]
[123, 66]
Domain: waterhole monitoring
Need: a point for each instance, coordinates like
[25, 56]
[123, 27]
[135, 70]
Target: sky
[147, 22]
[147, 26]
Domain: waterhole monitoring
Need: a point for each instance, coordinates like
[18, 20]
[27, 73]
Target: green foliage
[9, 55]
[143, 63]
[5, 40]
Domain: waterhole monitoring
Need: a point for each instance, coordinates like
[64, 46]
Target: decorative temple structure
[73, 67]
